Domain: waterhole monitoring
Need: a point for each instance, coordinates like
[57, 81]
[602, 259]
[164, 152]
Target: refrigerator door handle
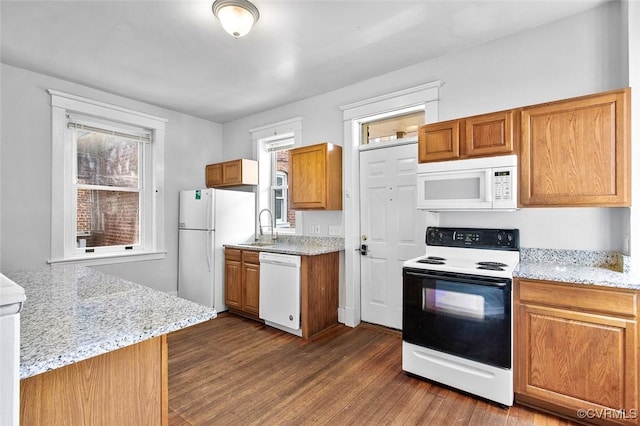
[209, 211]
[209, 244]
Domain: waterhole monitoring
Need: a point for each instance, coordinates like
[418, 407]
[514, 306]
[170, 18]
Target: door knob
[363, 249]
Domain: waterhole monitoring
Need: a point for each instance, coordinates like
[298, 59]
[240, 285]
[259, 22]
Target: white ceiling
[175, 54]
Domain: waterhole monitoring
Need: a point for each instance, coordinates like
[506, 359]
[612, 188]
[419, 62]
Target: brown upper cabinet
[576, 152]
[315, 181]
[478, 136]
[231, 173]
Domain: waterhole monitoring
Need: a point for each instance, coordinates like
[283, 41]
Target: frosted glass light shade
[236, 16]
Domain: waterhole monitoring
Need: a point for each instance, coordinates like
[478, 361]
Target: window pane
[279, 205]
[107, 160]
[286, 215]
[107, 218]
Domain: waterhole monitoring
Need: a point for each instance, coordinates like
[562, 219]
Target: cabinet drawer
[250, 256]
[584, 298]
[232, 254]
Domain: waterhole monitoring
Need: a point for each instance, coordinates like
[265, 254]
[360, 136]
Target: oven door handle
[486, 281]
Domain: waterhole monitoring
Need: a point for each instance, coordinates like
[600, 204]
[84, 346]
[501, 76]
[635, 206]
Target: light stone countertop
[590, 275]
[73, 313]
[576, 266]
[294, 244]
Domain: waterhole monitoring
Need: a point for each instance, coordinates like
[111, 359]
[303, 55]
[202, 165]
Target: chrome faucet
[273, 224]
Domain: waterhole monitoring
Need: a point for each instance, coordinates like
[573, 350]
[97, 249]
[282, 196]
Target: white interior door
[392, 228]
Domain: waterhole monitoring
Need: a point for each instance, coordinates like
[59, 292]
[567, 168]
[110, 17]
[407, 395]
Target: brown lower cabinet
[127, 386]
[242, 281]
[319, 275]
[576, 350]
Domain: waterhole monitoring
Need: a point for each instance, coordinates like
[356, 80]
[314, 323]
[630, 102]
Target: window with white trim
[107, 164]
[272, 144]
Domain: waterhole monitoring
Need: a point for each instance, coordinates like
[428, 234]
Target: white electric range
[457, 310]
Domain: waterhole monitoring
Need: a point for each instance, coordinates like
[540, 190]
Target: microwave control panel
[502, 185]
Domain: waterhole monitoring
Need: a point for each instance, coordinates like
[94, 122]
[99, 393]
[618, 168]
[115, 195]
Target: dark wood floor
[236, 371]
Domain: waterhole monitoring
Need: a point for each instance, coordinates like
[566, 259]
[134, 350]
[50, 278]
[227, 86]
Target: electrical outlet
[317, 229]
[311, 229]
[335, 230]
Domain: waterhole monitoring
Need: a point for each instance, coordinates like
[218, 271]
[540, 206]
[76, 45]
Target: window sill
[111, 258]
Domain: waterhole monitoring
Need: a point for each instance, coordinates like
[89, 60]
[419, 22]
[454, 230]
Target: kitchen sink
[261, 243]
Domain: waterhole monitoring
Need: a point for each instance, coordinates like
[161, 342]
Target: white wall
[575, 56]
[25, 158]
[582, 54]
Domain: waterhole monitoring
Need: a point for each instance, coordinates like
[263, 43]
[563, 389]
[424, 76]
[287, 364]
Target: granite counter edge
[300, 251]
[584, 275]
[42, 366]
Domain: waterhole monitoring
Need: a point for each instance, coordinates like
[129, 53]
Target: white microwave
[488, 183]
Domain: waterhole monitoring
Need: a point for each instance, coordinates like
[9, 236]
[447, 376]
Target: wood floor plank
[233, 370]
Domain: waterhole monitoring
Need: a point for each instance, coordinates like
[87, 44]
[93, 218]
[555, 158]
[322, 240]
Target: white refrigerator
[210, 218]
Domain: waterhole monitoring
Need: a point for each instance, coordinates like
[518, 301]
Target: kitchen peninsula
[94, 347]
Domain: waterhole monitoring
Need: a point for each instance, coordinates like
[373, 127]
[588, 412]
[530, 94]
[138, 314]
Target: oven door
[464, 315]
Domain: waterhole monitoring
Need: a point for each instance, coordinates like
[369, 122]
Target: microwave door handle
[488, 185]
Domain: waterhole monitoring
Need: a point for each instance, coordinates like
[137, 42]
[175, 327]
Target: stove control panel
[479, 238]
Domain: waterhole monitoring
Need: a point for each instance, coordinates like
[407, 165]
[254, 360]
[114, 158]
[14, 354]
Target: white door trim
[416, 98]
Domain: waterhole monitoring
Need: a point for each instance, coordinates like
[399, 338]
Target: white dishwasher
[280, 291]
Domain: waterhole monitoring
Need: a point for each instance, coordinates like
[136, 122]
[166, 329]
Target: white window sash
[280, 144]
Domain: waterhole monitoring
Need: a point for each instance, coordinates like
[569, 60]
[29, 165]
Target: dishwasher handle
[279, 259]
[275, 262]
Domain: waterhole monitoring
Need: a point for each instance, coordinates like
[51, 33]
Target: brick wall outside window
[104, 217]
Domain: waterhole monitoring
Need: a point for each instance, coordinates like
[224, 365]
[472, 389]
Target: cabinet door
[315, 177]
[576, 360]
[576, 152]
[439, 141]
[308, 180]
[233, 279]
[251, 288]
[213, 175]
[232, 172]
[489, 134]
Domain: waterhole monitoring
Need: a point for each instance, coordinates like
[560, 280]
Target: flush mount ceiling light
[236, 16]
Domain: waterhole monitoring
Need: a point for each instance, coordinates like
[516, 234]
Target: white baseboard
[348, 316]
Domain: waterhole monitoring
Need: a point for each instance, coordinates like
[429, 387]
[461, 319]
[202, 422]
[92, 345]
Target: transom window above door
[390, 129]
